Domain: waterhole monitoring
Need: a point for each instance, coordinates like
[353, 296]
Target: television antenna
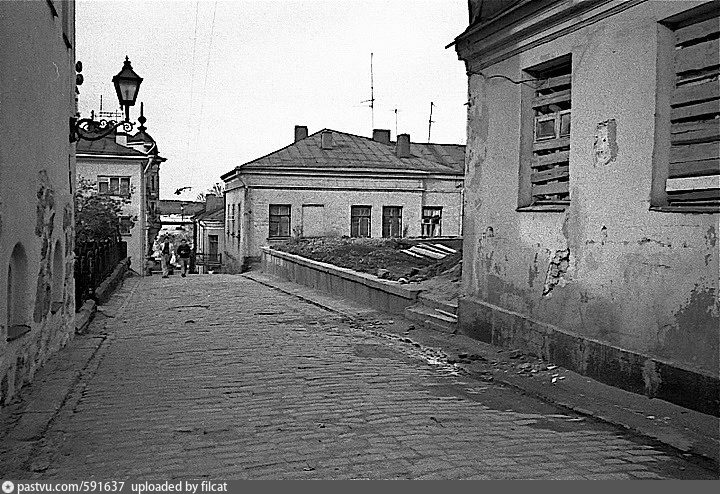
[372, 95]
[430, 120]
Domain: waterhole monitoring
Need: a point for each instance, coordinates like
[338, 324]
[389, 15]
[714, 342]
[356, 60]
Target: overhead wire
[192, 68]
[207, 69]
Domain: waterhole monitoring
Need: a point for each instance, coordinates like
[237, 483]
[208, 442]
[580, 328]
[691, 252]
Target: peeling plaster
[556, 271]
[44, 225]
[605, 145]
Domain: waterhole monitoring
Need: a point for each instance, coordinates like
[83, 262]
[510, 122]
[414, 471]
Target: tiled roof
[218, 214]
[352, 151]
[106, 145]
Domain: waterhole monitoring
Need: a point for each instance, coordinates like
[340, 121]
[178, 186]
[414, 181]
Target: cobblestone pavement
[221, 377]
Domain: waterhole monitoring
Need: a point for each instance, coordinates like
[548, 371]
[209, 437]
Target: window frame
[107, 179]
[426, 220]
[355, 229]
[282, 219]
[686, 165]
[544, 169]
[125, 221]
[387, 232]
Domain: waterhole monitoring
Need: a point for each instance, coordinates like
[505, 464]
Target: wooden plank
[696, 92]
[550, 159]
[552, 82]
[697, 57]
[695, 132]
[695, 152]
[707, 196]
[553, 98]
[697, 30]
[692, 183]
[694, 168]
[690, 111]
[551, 144]
[552, 174]
[549, 189]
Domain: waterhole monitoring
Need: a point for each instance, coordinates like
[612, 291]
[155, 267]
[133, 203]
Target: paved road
[221, 377]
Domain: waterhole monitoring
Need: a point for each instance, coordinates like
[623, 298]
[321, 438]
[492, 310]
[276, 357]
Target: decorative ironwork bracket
[89, 129]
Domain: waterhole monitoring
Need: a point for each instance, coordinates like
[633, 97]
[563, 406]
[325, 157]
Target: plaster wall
[91, 168]
[336, 194]
[37, 175]
[607, 268]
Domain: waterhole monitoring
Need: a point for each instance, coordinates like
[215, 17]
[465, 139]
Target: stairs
[439, 315]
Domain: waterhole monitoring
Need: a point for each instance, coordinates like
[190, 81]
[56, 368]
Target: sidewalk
[695, 434]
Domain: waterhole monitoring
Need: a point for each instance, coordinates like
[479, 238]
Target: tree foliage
[216, 189]
[97, 216]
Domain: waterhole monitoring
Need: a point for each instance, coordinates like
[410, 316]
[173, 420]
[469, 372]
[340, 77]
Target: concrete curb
[688, 432]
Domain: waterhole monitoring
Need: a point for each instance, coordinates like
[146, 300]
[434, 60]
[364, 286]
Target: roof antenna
[396, 122]
[101, 102]
[430, 120]
[372, 95]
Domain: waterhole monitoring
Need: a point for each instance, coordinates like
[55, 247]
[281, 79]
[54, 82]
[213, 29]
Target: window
[693, 170]
[545, 148]
[431, 221]
[279, 220]
[115, 186]
[232, 220]
[392, 221]
[126, 225]
[360, 221]
[213, 246]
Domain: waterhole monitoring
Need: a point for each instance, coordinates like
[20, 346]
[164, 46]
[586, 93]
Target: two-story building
[593, 189]
[126, 168]
[337, 184]
[37, 178]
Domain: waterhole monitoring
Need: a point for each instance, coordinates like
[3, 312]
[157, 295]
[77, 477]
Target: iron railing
[204, 259]
[94, 261]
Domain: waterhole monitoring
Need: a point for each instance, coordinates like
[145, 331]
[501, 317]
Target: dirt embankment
[381, 257]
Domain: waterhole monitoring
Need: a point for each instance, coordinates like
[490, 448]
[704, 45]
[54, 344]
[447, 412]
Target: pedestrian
[183, 255]
[166, 250]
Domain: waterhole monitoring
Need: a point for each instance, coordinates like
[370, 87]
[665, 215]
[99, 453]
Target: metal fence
[94, 261]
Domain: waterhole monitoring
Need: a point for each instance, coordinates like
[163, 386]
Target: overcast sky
[225, 82]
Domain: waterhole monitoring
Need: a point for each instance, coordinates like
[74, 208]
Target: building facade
[126, 169]
[336, 184]
[209, 240]
[37, 176]
[594, 245]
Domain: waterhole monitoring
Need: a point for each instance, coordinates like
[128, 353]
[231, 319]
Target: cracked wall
[607, 268]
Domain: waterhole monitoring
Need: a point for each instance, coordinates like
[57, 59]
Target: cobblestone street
[222, 377]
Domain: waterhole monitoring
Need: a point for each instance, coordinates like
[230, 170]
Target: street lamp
[127, 84]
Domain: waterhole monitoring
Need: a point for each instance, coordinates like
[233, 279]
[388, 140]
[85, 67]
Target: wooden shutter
[550, 173]
[694, 171]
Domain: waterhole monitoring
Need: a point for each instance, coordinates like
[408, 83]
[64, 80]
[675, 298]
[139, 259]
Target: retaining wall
[362, 288]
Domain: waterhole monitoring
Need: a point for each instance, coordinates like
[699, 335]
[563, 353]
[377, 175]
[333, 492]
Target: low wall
[362, 288]
[603, 362]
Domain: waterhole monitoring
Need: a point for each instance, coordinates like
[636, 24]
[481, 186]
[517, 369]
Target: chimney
[301, 132]
[121, 138]
[212, 203]
[403, 146]
[381, 135]
[326, 140]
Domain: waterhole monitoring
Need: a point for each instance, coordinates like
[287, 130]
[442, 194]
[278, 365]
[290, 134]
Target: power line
[207, 69]
[192, 70]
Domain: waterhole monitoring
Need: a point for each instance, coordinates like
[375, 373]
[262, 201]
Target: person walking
[166, 250]
[183, 255]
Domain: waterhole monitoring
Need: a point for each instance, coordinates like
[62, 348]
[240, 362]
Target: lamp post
[127, 84]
